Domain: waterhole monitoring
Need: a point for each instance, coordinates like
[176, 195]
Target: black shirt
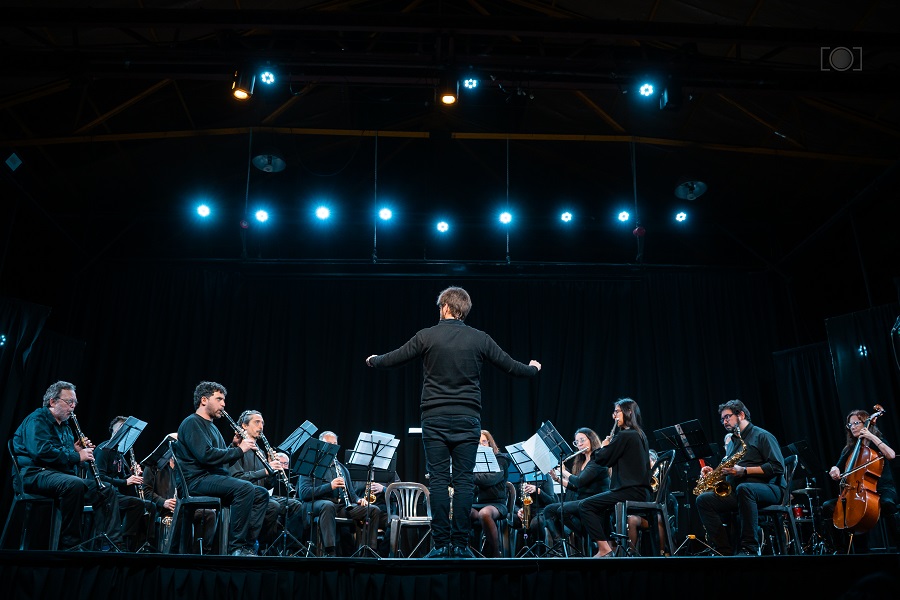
[42, 443]
[593, 479]
[453, 354]
[323, 490]
[762, 451]
[629, 456]
[201, 450]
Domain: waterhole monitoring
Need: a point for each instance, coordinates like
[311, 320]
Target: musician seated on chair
[585, 479]
[489, 503]
[886, 490]
[48, 454]
[204, 458]
[159, 488]
[755, 481]
[374, 489]
[250, 468]
[335, 496]
[540, 493]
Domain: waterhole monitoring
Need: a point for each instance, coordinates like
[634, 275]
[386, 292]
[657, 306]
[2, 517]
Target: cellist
[873, 439]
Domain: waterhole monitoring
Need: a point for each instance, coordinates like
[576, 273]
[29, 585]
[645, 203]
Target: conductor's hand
[337, 482]
[369, 360]
[535, 363]
[247, 445]
[706, 471]
[86, 454]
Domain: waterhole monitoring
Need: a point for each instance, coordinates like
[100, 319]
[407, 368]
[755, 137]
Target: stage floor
[96, 576]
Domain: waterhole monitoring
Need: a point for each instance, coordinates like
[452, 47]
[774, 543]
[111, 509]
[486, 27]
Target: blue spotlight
[323, 213]
[566, 217]
[681, 217]
[443, 227]
[267, 77]
[470, 83]
[385, 214]
[505, 218]
[262, 216]
[203, 210]
[624, 216]
[646, 90]
[2, 339]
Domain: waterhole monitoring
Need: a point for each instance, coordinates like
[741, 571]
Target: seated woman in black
[489, 503]
[627, 453]
[584, 480]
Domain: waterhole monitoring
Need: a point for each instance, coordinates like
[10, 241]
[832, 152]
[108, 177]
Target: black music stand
[526, 466]
[314, 459]
[371, 449]
[289, 446]
[689, 443]
[121, 442]
[549, 451]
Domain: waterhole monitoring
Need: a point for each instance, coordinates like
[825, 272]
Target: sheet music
[486, 461]
[538, 451]
[365, 449]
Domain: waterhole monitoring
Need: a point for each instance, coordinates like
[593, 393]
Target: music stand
[807, 461]
[121, 442]
[526, 466]
[313, 460]
[371, 449]
[549, 450]
[689, 443]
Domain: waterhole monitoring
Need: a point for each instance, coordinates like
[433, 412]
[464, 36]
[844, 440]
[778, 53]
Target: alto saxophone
[526, 506]
[715, 480]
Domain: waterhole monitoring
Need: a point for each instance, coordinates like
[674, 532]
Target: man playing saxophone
[756, 480]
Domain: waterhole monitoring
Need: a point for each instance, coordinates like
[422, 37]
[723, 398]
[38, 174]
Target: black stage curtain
[293, 346]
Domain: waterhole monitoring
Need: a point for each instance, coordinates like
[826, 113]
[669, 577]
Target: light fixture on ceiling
[269, 162]
[690, 189]
[242, 86]
[449, 91]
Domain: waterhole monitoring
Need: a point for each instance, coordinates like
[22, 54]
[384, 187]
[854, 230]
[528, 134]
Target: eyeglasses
[617, 411]
[576, 442]
[68, 401]
[726, 417]
[854, 423]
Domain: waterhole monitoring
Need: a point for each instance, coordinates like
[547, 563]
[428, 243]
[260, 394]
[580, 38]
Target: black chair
[650, 511]
[26, 502]
[183, 516]
[775, 519]
[505, 527]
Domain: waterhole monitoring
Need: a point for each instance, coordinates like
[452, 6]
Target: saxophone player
[757, 481]
[250, 468]
[336, 497]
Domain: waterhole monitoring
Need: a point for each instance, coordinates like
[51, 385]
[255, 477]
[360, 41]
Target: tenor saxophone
[715, 480]
[526, 506]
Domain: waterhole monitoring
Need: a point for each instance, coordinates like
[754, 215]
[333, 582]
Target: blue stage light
[203, 210]
[443, 227]
[267, 77]
[681, 217]
[323, 212]
[385, 214]
[505, 218]
[262, 216]
[624, 216]
[646, 90]
[565, 217]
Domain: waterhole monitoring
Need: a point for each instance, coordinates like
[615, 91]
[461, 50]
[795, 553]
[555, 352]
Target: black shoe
[442, 552]
[462, 552]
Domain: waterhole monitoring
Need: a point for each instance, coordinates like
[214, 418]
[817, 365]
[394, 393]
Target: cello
[859, 504]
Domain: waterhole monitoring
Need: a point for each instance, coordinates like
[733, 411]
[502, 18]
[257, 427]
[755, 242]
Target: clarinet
[243, 433]
[279, 473]
[83, 441]
[344, 495]
[140, 488]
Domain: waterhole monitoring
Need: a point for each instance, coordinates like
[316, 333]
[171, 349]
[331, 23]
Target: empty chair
[408, 505]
